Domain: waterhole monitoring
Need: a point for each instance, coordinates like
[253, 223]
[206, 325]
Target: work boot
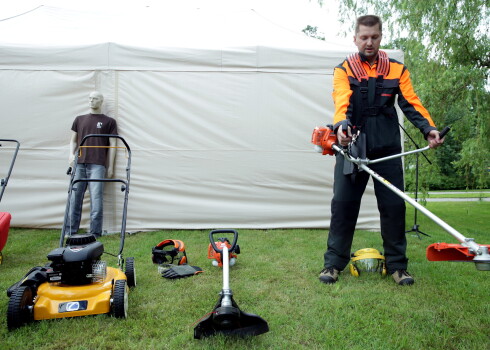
[329, 275]
[403, 278]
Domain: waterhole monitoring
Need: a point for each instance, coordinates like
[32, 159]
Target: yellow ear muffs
[353, 270]
[383, 270]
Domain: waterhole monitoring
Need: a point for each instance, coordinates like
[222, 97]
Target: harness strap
[355, 64]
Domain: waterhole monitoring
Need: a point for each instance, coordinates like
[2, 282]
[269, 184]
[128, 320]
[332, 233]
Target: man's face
[368, 40]
[95, 100]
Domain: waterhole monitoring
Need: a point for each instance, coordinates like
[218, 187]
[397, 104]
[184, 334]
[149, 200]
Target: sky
[292, 14]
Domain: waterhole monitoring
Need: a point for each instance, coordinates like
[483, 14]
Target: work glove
[181, 271]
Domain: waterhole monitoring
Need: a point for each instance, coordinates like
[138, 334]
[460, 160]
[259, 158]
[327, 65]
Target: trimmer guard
[230, 321]
[450, 252]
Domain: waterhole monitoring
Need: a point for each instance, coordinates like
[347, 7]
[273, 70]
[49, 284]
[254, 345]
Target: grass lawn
[276, 277]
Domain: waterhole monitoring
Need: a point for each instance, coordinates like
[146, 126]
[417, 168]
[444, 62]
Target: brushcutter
[215, 256]
[325, 141]
[226, 317]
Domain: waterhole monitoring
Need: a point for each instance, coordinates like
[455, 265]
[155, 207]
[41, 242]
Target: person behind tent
[91, 163]
[365, 87]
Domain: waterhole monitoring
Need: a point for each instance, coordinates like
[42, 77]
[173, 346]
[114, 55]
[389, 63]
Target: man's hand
[343, 138]
[434, 140]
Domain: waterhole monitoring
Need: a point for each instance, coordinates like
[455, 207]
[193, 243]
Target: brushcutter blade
[458, 252]
[230, 321]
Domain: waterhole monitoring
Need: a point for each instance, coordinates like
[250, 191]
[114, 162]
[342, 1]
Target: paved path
[457, 199]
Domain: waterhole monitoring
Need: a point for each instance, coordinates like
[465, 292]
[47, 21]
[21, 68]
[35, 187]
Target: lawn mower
[76, 282]
[226, 317]
[325, 142]
[4, 216]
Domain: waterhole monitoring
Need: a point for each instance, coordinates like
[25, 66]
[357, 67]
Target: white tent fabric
[218, 110]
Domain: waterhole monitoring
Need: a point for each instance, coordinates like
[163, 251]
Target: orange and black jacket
[367, 102]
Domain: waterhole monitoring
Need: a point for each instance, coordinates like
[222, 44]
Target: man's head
[95, 100]
[368, 36]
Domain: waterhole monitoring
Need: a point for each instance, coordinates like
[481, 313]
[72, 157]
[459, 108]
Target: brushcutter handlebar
[444, 131]
[213, 244]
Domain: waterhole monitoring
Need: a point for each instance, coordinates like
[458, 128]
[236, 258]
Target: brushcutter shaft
[226, 301]
[465, 241]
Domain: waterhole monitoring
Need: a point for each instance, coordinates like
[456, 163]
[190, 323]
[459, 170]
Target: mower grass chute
[325, 140]
[226, 317]
[4, 216]
[76, 282]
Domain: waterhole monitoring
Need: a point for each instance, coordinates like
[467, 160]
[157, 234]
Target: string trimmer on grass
[226, 317]
[325, 141]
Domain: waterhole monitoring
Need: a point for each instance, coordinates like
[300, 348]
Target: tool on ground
[226, 317]
[325, 141]
[216, 256]
[76, 282]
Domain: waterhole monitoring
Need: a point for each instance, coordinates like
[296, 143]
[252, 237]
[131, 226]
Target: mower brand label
[71, 306]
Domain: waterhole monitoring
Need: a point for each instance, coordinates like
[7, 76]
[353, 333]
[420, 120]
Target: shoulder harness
[354, 61]
[369, 87]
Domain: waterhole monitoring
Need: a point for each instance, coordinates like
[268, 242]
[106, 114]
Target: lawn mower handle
[233, 245]
[6, 179]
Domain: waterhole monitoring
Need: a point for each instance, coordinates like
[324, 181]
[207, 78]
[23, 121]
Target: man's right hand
[343, 137]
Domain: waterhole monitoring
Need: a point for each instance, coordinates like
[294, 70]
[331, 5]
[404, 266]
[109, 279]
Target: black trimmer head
[230, 321]
[226, 317]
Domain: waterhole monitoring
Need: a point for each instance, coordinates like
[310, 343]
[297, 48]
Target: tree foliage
[447, 49]
[312, 31]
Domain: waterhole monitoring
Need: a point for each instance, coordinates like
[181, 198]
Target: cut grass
[276, 277]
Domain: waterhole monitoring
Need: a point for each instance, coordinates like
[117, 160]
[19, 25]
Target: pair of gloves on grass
[170, 271]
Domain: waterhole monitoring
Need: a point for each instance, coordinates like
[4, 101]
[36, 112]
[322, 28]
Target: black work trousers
[345, 211]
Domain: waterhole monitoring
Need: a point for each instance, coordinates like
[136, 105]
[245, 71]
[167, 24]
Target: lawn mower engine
[79, 262]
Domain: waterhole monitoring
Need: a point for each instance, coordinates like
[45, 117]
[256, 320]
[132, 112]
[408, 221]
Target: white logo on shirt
[99, 125]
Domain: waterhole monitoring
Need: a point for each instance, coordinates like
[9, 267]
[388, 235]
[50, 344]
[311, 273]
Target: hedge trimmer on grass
[325, 141]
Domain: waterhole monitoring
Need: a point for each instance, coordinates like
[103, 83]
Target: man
[91, 163]
[365, 87]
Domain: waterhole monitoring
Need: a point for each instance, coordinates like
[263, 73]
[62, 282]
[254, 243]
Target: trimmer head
[458, 252]
[230, 321]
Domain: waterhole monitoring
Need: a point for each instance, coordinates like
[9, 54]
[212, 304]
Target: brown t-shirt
[94, 124]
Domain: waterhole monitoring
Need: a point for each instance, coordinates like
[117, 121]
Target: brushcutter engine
[216, 256]
[324, 138]
[79, 262]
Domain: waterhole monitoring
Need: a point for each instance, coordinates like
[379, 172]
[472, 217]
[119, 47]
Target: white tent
[218, 109]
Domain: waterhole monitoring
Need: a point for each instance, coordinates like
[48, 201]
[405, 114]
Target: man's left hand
[434, 139]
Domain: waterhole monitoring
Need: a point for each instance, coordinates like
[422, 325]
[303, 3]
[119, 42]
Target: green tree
[447, 49]
[312, 31]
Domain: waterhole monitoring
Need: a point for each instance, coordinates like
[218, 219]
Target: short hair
[369, 21]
